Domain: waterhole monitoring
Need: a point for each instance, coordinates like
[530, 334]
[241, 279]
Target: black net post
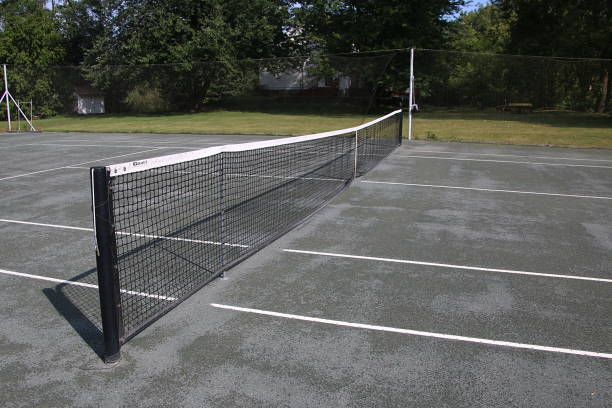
[108, 282]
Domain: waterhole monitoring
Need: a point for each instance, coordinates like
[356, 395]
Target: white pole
[8, 105]
[411, 94]
[8, 95]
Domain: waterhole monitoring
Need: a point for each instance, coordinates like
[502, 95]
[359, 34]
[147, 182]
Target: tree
[579, 28]
[485, 29]
[29, 41]
[196, 44]
[364, 25]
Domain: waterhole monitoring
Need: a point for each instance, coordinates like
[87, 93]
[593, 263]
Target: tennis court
[448, 275]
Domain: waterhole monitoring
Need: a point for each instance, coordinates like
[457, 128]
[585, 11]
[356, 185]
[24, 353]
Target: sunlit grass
[536, 128]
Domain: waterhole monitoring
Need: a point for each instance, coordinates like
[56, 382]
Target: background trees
[124, 48]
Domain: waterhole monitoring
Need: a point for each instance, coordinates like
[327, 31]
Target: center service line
[450, 266]
[416, 332]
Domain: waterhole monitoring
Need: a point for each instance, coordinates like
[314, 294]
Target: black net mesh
[179, 225]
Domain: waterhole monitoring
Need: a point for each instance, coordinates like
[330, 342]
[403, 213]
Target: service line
[442, 336]
[79, 164]
[485, 189]
[506, 161]
[510, 155]
[133, 234]
[450, 266]
[83, 284]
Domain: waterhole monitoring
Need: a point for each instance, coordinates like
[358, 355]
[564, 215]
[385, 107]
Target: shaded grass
[536, 128]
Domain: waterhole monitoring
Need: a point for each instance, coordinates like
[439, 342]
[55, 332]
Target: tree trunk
[603, 102]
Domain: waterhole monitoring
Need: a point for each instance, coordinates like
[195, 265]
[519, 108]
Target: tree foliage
[159, 55]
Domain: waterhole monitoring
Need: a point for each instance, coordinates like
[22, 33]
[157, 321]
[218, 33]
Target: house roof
[87, 91]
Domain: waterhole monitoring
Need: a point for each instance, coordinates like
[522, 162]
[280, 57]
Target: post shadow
[80, 306]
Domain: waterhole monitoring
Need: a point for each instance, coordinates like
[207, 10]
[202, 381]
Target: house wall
[88, 105]
[282, 81]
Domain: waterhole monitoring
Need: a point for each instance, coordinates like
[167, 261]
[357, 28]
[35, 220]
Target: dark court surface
[451, 275]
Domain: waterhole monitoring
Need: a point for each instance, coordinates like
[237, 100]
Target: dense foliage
[162, 55]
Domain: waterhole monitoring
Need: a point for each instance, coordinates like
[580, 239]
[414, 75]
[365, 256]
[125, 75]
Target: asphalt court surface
[450, 275]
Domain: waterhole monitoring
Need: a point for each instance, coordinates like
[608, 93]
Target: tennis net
[167, 226]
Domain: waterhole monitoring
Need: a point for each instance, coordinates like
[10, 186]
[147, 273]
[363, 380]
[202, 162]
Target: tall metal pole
[411, 94]
[8, 105]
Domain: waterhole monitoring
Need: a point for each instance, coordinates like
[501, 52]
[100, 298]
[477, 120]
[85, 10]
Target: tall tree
[579, 28]
[207, 38]
[29, 41]
[485, 29]
[364, 25]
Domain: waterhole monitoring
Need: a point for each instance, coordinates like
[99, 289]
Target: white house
[88, 101]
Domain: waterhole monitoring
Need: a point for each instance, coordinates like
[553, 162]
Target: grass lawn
[537, 128]
[225, 122]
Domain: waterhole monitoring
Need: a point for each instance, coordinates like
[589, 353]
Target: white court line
[417, 332]
[38, 224]
[485, 189]
[86, 285]
[127, 141]
[512, 155]
[78, 164]
[507, 161]
[450, 266]
[106, 145]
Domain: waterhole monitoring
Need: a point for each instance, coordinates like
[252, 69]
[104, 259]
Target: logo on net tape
[139, 163]
[133, 164]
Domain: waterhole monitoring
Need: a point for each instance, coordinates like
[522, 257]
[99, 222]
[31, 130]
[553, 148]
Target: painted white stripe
[78, 164]
[451, 266]
[485, 189]
[86, 285]
[507, 161]
[179, 239]
[121, 233]
[39, 224]
[106, 145]
[510, 155]
[442, 336]
[147, 141]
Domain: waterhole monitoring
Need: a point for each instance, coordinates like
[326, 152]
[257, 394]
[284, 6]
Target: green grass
[227, 122]
[537, 128]
[555, 128]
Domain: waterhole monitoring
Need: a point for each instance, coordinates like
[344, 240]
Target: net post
[411, 93]
[108, 282]
[222, 216]
[401, 128]
[356, 154]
